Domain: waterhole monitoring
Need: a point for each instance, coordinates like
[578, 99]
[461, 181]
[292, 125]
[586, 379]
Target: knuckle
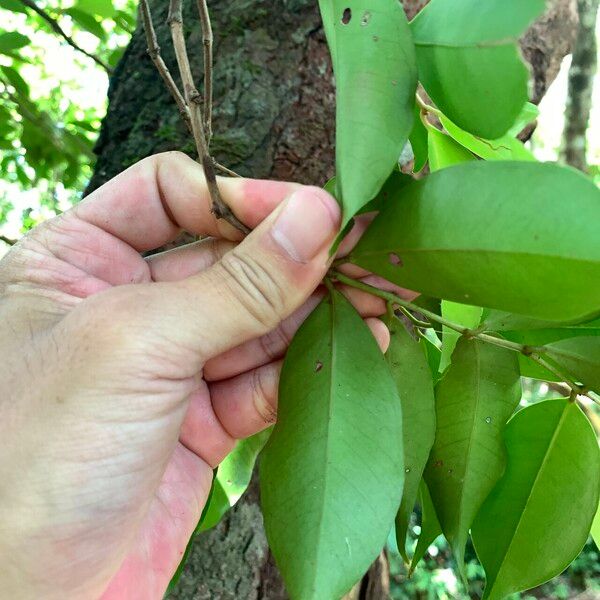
[274, 343]
[257, 290]
[264, 395]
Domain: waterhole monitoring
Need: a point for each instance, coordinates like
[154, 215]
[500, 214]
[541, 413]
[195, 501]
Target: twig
[8, 241]
[207, 43]
[226, 170]
[61, 32]
[532, 353]
[154, 52]
[194, 102]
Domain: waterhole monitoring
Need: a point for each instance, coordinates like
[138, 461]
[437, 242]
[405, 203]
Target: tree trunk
[273, 117]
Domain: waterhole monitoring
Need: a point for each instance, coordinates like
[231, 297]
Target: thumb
[261, 281]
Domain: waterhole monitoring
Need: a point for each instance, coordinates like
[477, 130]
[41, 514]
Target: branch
[581, 84]
[8, 241]
[61, 32]
[194, 104]
[532, 353]
[207, 42]
[159, 63]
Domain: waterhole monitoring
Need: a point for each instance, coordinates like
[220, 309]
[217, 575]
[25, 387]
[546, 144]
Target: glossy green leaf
[11, 41]
[463, 314]
[87, 22]
[376, 79]
[430, 526]
[529, 113]
[469, 60]
[444, 151]
[338, 441]
[474, 400]
[233, 477]
[494, 234]
[14, 78]
[414, 382]
[418, 141]
[538, 517]
[579, 357]
[506, 147]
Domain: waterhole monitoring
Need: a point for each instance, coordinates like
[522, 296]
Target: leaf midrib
[473, 45]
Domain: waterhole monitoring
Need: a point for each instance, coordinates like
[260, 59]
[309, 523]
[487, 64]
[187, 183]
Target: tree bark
[273, 117]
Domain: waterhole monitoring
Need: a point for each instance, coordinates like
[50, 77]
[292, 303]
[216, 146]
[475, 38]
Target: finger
[252, 288]
[181, 263]
[273, 345]
[247, 403]
[202, 433]
[149, 204]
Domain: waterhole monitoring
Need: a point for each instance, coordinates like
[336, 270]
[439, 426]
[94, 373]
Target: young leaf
[444, 151]
[430, 526]
[495, 234]
[538, 517]
[463, 314]
[580, 357]
[414, 382]
[474, 400]
[596, 528]
[376, 79]
[232, 478]
[469, 60]
[332, 472]
[506, 147]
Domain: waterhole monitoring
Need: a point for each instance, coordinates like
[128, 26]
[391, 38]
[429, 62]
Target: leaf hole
[365, 18]
[318, 366]
[346, 16]
[395, 260]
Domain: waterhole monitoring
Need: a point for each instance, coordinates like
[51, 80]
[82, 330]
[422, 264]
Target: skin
[125, 380]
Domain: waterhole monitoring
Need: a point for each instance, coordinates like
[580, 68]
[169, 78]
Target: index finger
[149, 204]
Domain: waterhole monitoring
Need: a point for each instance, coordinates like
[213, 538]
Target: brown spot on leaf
[395, 260]
[438, 463]
[318, 366]
[346, 16]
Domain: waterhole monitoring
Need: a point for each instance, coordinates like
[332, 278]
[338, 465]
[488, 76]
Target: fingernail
[310, 218]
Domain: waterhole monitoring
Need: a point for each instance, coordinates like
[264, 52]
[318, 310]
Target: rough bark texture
[273, 117]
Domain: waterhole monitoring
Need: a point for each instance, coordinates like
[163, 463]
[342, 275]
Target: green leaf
[580, 357]
[87, 22]
[474, 400]
[11, 41]
[15, 79]
[469, 61]
[414, 383]
[13, 6]
[494, 234]
[430, 526]
[418, 141]
[506, 147]
[463, 314]
[596, 528]
[100, 8]
[376, 78]
[444, 151]
[529, 114]
[538, 517]
[332, 472]
[233, 478]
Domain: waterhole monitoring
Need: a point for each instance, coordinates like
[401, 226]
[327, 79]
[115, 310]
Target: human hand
[125, 381]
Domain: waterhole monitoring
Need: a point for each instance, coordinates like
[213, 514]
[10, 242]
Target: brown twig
[159, 63]
[8, 241]
[61, 32]
[194, 104]
[207, 43]
[226, 170]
